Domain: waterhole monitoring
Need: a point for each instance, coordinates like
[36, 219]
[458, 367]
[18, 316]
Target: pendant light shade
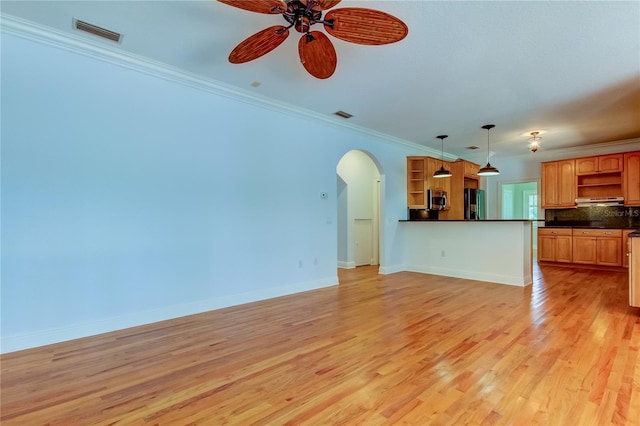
[442, 172]
[488, 170]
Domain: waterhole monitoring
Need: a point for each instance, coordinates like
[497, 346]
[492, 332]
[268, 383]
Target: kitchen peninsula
[497, 251]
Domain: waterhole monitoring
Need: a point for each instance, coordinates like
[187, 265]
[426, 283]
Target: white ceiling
[569, 68]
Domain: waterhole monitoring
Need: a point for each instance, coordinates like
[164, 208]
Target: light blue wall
[128, 198]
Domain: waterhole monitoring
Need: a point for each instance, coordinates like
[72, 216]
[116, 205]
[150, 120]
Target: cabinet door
[587, 165]
[610, 163]
[566, 183]
[609, 251]
[471, 169]
[632, 178]
[626, 247]
[546, 248]
[564, 249]
[584, 250]
[549, 183]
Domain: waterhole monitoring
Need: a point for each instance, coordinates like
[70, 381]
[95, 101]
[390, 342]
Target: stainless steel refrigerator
[474, 204]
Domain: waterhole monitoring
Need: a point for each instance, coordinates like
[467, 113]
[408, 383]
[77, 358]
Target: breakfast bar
[498, 251]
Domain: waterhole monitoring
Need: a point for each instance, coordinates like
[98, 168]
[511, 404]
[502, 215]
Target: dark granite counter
[598, 217]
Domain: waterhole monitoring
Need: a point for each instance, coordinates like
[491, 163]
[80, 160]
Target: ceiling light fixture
[535, 141]
[442, 172]
[488, 170]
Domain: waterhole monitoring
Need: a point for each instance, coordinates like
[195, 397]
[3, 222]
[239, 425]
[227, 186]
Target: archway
[360, 187]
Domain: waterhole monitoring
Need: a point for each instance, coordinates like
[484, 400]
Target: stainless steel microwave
[437, 199]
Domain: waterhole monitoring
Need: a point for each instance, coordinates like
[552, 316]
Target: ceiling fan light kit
[488, 170]
[442, 172]
[315, 49]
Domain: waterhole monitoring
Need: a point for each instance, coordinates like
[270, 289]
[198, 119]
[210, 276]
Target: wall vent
[343, 114]
[472, 147]
[96, 30]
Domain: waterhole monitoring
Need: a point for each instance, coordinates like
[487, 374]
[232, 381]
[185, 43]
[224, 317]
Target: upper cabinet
[420, 179]
[599, 164]
[600, 176]
[416, 191]
[611, 175]
[558, 184]
[420, 170]
[632, 178]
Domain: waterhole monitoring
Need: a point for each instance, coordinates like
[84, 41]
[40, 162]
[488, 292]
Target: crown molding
[49, 36]
[611, 147]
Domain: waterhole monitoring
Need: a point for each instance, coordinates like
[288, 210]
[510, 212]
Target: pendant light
[442, 172]
[488, 170]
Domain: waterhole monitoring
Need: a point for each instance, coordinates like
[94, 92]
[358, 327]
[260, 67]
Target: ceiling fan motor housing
[301, 16]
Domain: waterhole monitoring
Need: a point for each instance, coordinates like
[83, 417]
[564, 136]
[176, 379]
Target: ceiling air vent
[96, 30]
[343, 114]
[472, 147]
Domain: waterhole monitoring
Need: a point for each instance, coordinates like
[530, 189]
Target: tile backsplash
[594, 216]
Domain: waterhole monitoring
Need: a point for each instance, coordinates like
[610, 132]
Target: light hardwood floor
[405, 348]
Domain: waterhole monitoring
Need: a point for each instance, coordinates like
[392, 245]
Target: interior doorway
[519, 200]
[359, 189]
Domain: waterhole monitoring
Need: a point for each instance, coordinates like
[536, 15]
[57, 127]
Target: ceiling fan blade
[321, 4]
[317, 54]
[259, 44]
[259, 6]
[364, 26]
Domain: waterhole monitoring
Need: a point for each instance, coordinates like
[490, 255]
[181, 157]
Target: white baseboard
[43, 337]
[469, 275]
[384, 270]
[346, 265]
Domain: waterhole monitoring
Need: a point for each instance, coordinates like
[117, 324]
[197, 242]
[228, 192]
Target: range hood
[600, 201]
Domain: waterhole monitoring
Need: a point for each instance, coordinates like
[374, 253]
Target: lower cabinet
[626, 247]
[554, 245]
[584, 250]
[604, 247]
[597, 246]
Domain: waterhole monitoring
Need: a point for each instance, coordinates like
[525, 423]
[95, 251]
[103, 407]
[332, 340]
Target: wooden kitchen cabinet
[558, 184]
[584, 250]
[609, 251]
[416, 183]
[610, 163]
[626, 247]
[597, 246]
[631, 181]
[471, 170]
[420, 179]
[555, 245]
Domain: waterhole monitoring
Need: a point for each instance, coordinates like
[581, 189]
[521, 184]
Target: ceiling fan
[317, 54]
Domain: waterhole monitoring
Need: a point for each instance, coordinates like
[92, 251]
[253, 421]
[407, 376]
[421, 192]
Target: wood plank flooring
[405, 348]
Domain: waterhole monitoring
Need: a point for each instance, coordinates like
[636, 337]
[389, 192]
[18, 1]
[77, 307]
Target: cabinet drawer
[597, 232]
[554, 231]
